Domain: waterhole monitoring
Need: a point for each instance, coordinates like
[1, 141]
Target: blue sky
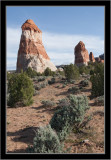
[62, 28]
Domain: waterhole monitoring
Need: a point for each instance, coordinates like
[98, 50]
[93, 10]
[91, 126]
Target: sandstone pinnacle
[31, 51]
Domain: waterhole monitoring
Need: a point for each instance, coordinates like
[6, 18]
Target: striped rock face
[31, 51]
[81, 54]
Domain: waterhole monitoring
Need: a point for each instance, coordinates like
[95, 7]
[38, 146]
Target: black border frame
[107, 85]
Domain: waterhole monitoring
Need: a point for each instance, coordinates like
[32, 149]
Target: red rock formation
[91, 57]
[31, 51]
[30, 25]
[81, 54]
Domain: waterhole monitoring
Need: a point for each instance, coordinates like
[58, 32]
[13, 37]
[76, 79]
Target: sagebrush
[70, 115]
[46, 141]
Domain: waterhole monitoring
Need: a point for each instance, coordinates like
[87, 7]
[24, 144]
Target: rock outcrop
[102, 56]
[99, 60]
[81, 54]
[91, 57]
[31, 51]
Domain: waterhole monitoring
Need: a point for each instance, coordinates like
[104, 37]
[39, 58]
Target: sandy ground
[23, 121]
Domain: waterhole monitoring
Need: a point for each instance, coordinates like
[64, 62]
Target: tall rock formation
[31, 51]
[81, 54]
[91, 57]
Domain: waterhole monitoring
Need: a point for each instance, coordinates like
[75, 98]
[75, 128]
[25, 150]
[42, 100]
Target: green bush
[48, 72]
[52, 81]
[45, 141]
[61, 73]
[72, 81]
[74, 90]
[39, 74]
[83, 69]
[36, 93]
[41, 78]
[71, 72]
[91, 72]
[84, 83]
[37, 87]
[63, 102]
[31, 73]
[20, 89]
[64, 85]
[48, 103]
[70, 115]
[97, 80]
[99, 101]
[9, 75]
[86, 69]
[40, 85]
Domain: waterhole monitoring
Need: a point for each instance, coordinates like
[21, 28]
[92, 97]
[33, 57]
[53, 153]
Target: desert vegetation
[55, 112]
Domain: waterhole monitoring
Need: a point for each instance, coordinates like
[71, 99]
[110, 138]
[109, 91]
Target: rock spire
[31, 51]
[81, 54]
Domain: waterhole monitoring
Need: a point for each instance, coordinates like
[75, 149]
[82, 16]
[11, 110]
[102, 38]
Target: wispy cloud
[59, 47]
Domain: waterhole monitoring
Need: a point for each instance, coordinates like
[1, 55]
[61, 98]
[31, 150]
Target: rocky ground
[23, 121]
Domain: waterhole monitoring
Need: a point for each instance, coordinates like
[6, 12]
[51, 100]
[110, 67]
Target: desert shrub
[64, 85]
[66, 82]
[41, 78]
[72, 81]
[36, 93]
[81, 87]
[53, 73]
[61, 73]
[91, 72]
[86, 69]
[63, 78]
[97, 80]
[44, 84]
[9, 75]
[70, 115]
[48, 72]
[63, 102]
[74, 90]
[35, 79]
[52, 81]
[21, 90]
[84, 83]
[45, 141]
[30, 72]
[99, 101]
[83, 69]
[48, 103]
[40, 85]
[37, 87]
[71, 72]
[39, 74]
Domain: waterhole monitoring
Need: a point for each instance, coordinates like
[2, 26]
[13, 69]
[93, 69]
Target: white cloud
[68, 42]
[59, 47]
